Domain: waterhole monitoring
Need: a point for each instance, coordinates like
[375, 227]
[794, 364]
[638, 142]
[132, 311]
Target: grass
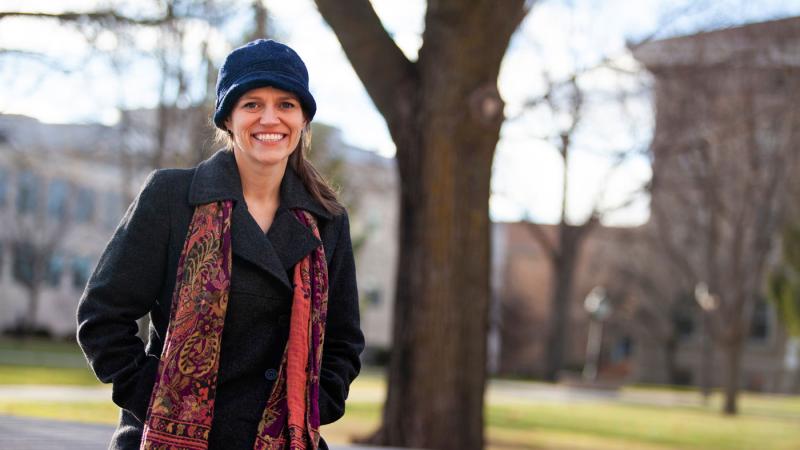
[40, 352]
[680, 428]
[86, 412]
[32, 375]
[765, 422]
[589, 426]
[40, 345]
[39, 361]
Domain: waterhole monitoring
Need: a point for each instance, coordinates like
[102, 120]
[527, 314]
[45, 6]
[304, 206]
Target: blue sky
[557, 36]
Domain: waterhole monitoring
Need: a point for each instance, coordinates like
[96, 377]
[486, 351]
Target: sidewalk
[18, 433]
[503, 391]
[22, 433]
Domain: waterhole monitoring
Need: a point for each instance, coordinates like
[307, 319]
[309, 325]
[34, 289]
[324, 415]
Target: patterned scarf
[182, 405]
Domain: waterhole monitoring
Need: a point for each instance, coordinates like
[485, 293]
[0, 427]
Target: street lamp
[599, 308]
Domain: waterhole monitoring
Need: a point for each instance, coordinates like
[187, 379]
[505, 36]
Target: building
[64, 188]
[723, 154]
[59, 204]
[727, 96]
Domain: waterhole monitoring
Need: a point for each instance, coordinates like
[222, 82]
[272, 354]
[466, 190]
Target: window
[23, 263]
[759, 324]
[3, 187]
[373, 297]
[55, 267]
[57, 195]
[84, 205]
[683, 316]
[113, 209]
[28, 192]
[81, 266]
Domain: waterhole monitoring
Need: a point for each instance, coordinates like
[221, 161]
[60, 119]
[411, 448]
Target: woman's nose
[269, 116]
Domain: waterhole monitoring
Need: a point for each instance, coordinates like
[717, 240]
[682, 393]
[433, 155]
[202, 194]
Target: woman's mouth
[269, 137]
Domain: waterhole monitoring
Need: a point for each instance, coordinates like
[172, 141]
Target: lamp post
[599, 308]
[708, 303]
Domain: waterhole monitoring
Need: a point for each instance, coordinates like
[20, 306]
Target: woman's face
[266, 124]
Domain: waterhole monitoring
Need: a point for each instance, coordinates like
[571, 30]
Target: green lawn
[71, 376]
[40, 352]
[37, 361]
[765, 422]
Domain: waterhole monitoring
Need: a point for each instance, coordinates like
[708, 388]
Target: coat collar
[287, 240]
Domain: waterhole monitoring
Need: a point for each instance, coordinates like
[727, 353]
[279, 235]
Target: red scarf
[182, 404]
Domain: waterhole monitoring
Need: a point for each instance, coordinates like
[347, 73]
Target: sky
[557, 36]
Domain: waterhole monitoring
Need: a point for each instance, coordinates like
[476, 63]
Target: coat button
[271, 374]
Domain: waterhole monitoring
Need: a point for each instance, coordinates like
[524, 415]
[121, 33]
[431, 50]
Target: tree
[563, 251]
[444, 114]
[659, 305]
[723, 151]
[35, 227]
[176, 131]
[783, 289]
[565, 108]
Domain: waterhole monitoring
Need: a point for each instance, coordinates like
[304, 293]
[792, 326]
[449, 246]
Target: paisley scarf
[182, 404]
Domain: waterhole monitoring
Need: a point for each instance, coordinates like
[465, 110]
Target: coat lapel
[250, 243]
[287, 240]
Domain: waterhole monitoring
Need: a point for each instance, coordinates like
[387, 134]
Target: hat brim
[255, 80]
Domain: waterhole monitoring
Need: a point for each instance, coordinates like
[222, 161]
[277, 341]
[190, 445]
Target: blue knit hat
[260, 63]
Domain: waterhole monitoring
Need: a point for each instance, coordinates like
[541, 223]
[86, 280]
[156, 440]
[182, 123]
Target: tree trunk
[706, 359]
[34, 292]
[670, 348]
[40, 259]
[564, 260]
[444, 114]
[733, 359]
[557, 339]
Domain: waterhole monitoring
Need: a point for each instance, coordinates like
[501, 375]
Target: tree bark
[563, 267]
[670, 349]
[733, 360]
[444, 114]
[29, 327]
[564, 260]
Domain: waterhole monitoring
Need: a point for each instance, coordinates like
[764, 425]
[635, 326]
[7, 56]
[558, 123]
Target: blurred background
[644, 273]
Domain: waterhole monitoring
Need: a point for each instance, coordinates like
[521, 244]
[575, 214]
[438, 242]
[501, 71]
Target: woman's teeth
[269, 137]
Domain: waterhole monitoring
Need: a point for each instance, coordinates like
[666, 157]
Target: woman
[245, 266]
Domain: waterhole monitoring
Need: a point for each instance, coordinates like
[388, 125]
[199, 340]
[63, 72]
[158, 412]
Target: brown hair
[314, 182]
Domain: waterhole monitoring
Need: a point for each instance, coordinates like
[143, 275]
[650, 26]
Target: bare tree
[659, 304]
[563, 251]
[444, 114]
[567, 102]
[177, 131]
[34, 228]
[723, 151]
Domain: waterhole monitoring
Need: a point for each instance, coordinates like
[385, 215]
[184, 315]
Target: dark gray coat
[136, 276]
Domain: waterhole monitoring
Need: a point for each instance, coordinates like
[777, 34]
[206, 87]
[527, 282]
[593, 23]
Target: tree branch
[543, 239]
[101, 16]
[376, 58]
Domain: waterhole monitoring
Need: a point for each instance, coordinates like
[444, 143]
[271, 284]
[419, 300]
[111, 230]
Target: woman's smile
[269, 137]
[266, 124]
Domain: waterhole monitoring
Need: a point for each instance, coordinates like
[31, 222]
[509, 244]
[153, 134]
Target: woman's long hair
[314, 182]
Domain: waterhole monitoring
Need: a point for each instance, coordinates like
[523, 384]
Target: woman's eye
[250, 105]
[287, 105]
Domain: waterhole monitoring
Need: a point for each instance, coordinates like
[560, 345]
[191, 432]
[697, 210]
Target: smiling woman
[245, 267]
[266, 125]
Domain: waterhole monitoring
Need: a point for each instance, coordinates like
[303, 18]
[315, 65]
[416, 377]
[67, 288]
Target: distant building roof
[770, 44]
[28, 134]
